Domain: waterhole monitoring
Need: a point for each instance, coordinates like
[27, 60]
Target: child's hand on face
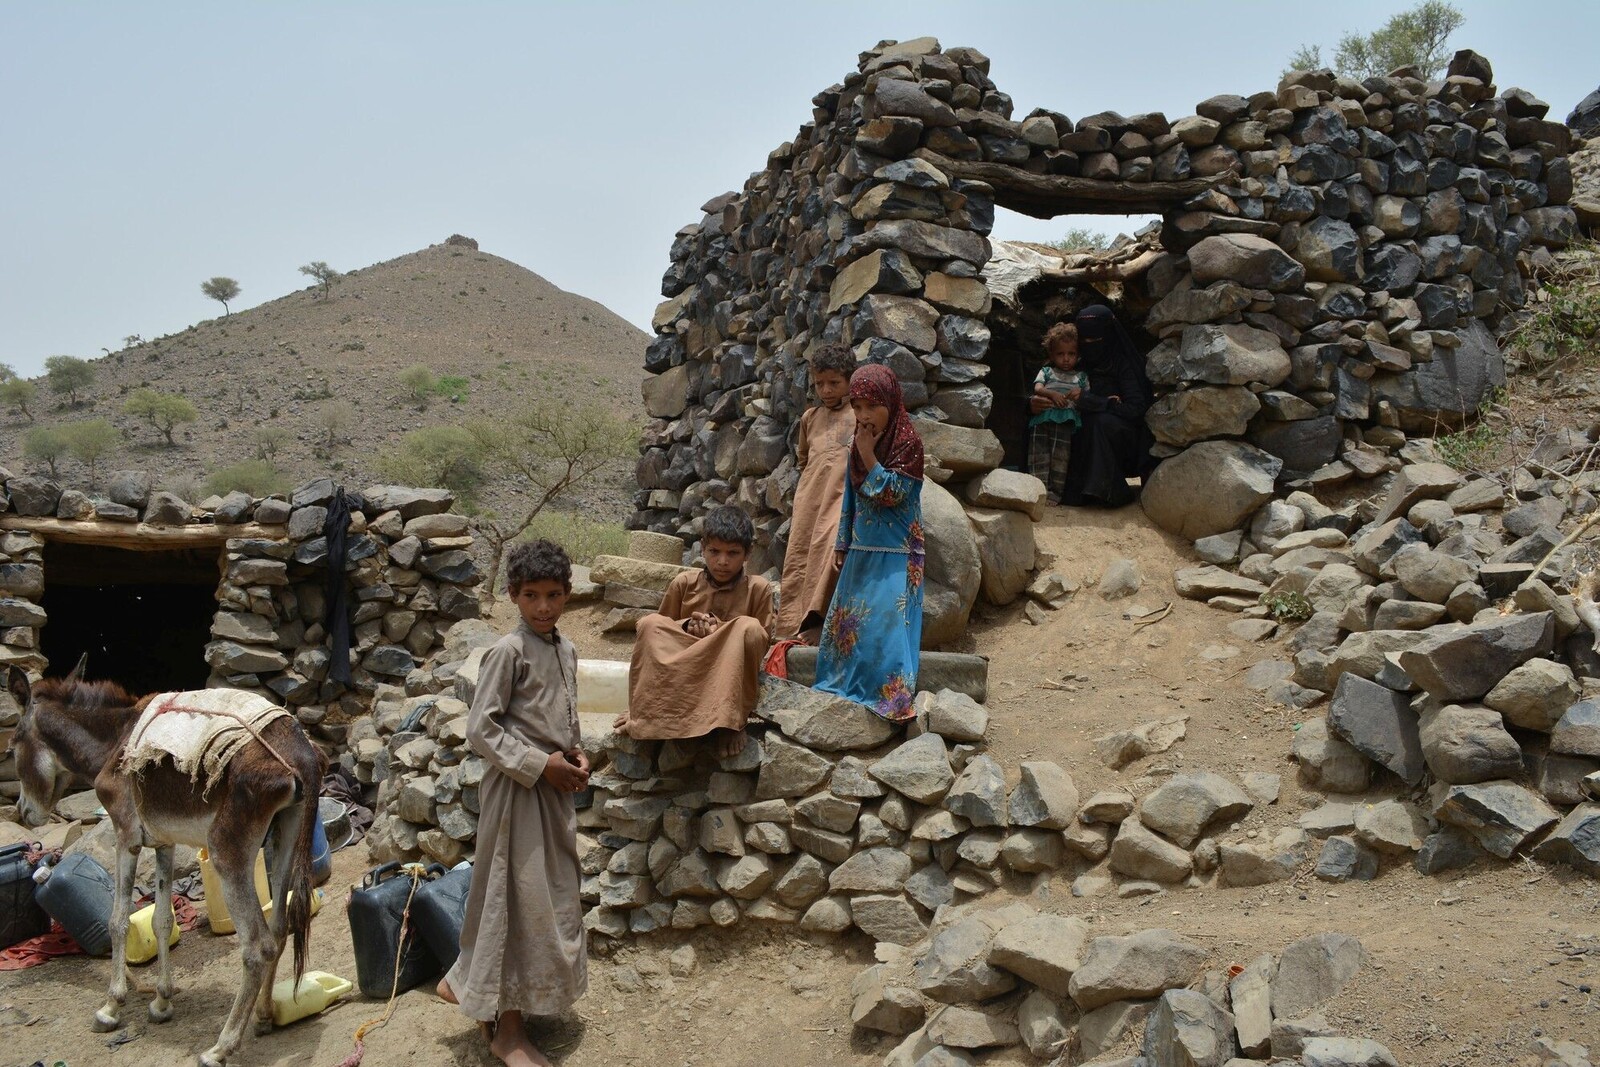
[866, 444]
[564, 775]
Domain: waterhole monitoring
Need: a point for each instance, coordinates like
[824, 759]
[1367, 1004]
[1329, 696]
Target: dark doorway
[143, 617]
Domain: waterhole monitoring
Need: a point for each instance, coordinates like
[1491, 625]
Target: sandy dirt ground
[1465, 968]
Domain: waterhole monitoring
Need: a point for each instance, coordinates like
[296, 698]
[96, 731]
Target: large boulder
[1251, 261]
[1210, 488]
[961, 450]
[1006, 550]
[1233, 354]
[1466, 663]
[1450, 388]
[1191, 415]
[954, 567]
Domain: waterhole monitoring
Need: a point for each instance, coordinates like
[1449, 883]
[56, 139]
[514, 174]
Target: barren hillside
[507, 334]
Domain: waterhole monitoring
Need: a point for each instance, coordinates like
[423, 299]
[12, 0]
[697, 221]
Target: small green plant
[419, 382]
[268, 441]
[258, 477]
[451, 385]
[1565, 324]
[1473, 447]
[1287, 606]
[1082, 239]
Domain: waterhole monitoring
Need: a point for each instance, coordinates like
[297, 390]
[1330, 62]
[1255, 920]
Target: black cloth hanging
[336, 595]
[1113, 444]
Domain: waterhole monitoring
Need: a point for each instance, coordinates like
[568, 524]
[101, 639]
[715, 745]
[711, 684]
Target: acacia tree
[68, 375]
[47, 445]
[268, 440]
[323, 274]
[221, 290]
[334, 418]
[164, 411]
[419, 382]
[17, 394]
[1416, 37]
[90, 441]
[546, 451]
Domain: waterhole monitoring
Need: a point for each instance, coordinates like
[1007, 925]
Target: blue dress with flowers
[873, 632]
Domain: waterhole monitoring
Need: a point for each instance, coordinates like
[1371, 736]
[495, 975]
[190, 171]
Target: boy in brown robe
[696, 661]
[822, 451]
[522, 941]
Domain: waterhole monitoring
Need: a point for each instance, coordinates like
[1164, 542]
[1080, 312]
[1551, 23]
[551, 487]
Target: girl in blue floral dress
[873, 632]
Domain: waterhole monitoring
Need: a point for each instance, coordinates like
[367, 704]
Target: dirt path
[1466, 967]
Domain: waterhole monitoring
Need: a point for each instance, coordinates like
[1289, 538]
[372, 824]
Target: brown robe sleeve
[672, 600]
[802, 440]
[760, 607]
[486, 735]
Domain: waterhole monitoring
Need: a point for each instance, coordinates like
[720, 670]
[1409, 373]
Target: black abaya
[1113, 443]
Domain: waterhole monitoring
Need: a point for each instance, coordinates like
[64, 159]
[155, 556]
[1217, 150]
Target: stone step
[959, 671]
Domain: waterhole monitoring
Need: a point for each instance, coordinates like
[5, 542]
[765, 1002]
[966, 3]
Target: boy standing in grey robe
[522, 941]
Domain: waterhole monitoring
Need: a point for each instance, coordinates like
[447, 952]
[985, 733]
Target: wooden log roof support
[140, 536]
[1045, 196]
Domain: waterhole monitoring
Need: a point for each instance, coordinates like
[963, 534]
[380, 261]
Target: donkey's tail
[309, 781]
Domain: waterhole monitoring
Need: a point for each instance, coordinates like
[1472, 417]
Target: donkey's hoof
[263, 1027]
[209, 1058]
[161, 1014]
[104, 1022]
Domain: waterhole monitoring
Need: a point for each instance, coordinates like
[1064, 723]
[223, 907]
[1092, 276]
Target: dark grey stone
[1503, 815]
[33, 497]
[1380, 724]
[1464, 664]
[1344, 859]
[235, 508]
[131, 488]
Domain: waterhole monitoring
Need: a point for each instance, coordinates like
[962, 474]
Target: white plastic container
[602, 687]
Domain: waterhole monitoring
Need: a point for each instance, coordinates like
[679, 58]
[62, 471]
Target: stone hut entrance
[142, 616]
[1045, 287]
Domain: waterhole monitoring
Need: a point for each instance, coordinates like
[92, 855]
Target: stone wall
[1337, 257]
[408, 564]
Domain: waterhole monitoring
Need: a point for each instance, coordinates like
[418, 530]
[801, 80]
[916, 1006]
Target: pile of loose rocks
[1434, 617]
[1012, 976]
[408, 566]
[1337, 255]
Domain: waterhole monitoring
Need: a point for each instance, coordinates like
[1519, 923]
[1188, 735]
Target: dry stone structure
[1334, 259]
[407, 566]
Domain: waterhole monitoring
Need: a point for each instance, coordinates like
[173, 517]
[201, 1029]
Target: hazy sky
[149, 146]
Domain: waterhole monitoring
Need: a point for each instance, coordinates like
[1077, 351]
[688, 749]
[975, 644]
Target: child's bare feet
[727, 743]
[511, 1045]
[446, 994]
[620, 724]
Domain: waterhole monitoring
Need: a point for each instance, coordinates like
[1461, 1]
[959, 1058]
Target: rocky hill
[498, 334]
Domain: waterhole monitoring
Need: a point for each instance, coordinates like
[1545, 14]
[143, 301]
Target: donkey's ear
[17, 684]
[76, 674]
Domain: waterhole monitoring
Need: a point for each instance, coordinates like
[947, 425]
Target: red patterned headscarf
[899, 449]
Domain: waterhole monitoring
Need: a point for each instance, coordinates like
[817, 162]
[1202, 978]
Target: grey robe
[522, 944]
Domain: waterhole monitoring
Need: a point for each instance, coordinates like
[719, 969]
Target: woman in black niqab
[1113, 443]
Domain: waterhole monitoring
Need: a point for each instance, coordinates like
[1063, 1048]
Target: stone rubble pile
[987, 980]
[1337, 257]
[1434, 618]
[409, 572]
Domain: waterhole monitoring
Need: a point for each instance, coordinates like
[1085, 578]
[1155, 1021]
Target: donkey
[76, 730]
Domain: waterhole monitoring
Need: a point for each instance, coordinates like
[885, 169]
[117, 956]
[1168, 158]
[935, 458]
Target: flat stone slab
[1503, 816]
[821, 720]
[1575, 841]
[959, 671]
[1464, 664]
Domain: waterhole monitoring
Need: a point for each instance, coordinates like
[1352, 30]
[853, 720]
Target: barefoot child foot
[446, 994]
[727, 743]
[511, 1045]
[620, 723]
